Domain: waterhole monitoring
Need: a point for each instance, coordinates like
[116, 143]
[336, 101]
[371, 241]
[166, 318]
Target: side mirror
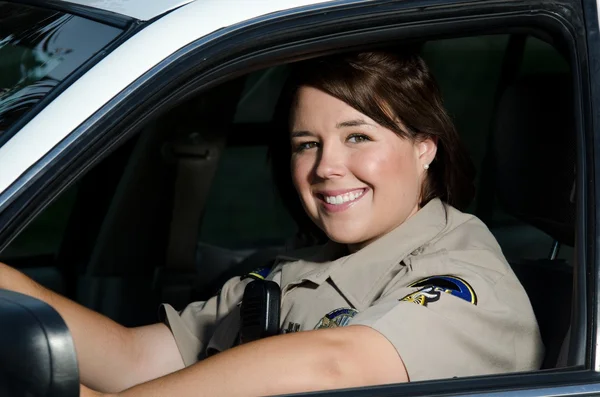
[37, 353]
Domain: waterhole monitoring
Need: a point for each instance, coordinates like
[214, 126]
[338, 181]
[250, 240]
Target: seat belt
[196, 163]
[196, 158]
[195, 153]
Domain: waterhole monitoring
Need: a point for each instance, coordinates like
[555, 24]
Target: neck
[352, 248]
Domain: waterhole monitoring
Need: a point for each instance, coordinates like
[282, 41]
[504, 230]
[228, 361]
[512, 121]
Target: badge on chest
[337, 318]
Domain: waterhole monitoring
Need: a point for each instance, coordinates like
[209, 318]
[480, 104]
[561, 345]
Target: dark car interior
[190, 201]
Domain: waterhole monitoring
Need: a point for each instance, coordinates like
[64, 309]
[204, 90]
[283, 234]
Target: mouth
[339, 200]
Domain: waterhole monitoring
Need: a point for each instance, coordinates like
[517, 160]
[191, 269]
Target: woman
[408, 288]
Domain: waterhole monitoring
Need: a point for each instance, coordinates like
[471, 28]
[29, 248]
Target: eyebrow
[353, 123]
[343, 124]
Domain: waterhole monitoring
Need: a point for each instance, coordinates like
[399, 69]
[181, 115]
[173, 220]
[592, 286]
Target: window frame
[264, 42]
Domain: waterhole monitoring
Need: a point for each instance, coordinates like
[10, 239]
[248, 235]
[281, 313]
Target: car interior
[189, 202]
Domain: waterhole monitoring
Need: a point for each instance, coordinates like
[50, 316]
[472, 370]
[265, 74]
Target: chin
[350, 237]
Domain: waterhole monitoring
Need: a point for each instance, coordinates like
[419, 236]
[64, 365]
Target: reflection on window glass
[38, 50]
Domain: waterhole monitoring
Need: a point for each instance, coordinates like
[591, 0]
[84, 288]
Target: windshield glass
[39, 49]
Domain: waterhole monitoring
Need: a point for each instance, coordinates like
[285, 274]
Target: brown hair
[396, 90]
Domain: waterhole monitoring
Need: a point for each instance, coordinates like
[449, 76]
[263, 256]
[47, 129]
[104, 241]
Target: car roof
[138, 9]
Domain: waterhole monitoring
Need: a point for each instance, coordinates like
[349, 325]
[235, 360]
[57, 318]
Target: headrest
[534, 140]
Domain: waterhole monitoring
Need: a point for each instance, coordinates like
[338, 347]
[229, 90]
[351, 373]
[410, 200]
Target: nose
[330, 163]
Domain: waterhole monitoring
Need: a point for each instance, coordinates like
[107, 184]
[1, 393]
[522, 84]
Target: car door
[256, 40]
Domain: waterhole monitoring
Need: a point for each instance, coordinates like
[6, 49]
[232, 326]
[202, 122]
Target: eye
[302, 146]
[358, 138]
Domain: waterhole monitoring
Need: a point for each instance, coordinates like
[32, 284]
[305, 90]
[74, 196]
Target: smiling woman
[377, 166]
[357, 180]
[401, 98]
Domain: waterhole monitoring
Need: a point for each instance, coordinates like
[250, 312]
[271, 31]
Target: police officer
[408, 288]
[437, 288]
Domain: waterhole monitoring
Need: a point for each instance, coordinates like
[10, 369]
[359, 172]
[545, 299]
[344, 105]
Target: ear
[426, 150]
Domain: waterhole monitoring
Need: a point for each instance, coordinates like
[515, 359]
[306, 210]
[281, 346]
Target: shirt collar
[360, 275]
[314, 264]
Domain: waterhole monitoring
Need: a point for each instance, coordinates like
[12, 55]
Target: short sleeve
[440, 335]
[193, 327]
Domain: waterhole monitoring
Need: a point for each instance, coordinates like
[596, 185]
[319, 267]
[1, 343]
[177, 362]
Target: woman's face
[356, 179]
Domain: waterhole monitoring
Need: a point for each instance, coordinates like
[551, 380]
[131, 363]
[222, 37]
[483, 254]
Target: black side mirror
[37, 354]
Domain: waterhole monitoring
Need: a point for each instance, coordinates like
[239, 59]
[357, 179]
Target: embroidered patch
[337, 318]
[423, 296]
[448, 284]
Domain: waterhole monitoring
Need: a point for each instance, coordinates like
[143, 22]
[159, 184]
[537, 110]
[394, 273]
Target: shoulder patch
[258, 274]
[437, 284]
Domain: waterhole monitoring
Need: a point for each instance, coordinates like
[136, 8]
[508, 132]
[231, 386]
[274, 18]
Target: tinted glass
[39, 49]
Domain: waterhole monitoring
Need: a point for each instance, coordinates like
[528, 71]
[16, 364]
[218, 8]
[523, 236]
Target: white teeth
[340, 199]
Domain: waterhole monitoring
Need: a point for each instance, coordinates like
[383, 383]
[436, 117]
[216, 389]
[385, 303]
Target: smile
[340, 200]
[344, 198]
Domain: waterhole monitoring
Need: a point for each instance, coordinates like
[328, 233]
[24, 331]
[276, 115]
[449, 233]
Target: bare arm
[111, 357]
[305, 361]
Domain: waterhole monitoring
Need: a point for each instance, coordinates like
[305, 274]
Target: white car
[134, 144]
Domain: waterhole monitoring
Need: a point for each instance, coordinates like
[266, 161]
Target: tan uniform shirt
[437, 287]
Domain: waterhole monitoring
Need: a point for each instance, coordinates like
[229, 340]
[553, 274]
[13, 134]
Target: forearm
[105, 349]
[306, 361]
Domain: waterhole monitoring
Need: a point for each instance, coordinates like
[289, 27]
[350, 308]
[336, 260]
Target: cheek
[389, 170]
[382, 164]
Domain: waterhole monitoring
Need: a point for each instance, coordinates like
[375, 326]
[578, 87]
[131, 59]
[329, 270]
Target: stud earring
[426, 166]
